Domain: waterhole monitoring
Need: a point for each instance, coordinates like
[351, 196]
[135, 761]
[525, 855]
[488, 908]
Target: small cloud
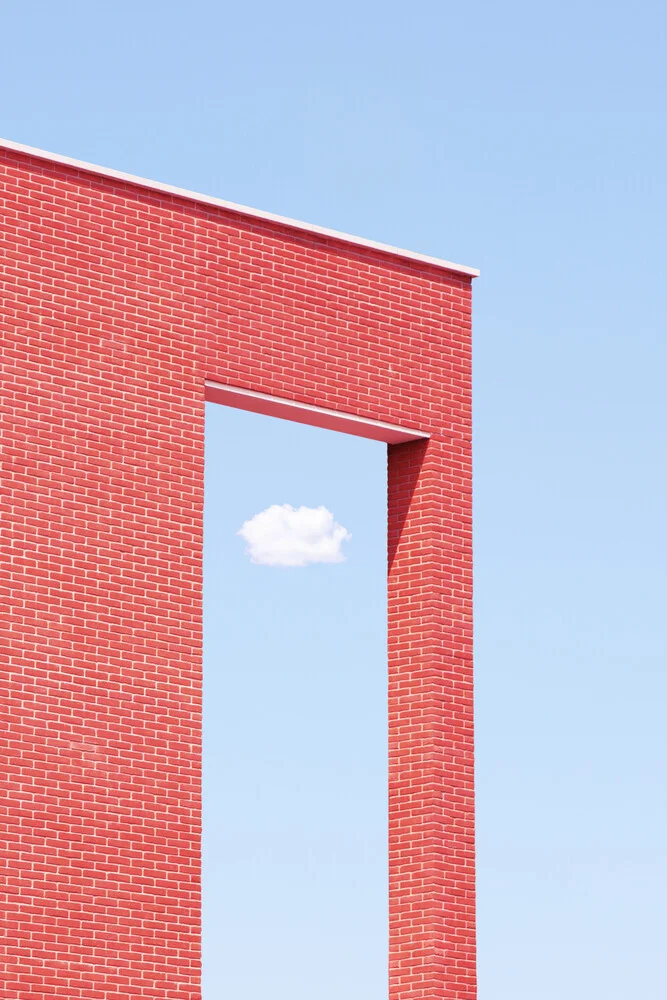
[283, 535]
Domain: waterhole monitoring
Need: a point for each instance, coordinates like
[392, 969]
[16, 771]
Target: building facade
[124, 305]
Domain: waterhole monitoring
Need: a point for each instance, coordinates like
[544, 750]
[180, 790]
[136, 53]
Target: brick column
[100, 644]
[431, 779]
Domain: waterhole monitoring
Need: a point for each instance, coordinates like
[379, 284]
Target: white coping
[254, 213]
[306, 413]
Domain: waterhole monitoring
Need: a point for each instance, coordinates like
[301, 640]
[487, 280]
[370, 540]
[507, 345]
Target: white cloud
[283, 535]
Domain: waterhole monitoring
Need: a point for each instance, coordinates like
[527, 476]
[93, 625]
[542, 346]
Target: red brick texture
[116, 303]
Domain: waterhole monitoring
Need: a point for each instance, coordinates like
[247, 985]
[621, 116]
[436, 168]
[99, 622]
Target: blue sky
[295, 868]
[530, 141]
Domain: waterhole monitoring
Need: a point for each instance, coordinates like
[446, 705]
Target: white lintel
[254, 213]
[305, 413]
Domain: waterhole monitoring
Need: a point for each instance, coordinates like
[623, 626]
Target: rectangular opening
[295, 720]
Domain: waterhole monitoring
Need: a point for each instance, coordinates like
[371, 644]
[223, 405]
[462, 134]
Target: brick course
[116, 303]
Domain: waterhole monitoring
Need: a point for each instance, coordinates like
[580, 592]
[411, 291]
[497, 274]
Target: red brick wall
[116, 302]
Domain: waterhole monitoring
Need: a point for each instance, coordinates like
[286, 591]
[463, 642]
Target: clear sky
[529, 140]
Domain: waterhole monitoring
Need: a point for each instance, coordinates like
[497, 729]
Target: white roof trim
[240, 209]
[307, 413]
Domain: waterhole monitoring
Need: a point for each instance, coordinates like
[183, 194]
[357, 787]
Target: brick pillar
[431, 779]
[100, 700]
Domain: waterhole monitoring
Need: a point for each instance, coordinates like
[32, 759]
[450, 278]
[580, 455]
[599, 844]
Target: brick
[116, 303]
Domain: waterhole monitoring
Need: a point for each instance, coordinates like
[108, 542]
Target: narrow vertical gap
[295, 722]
